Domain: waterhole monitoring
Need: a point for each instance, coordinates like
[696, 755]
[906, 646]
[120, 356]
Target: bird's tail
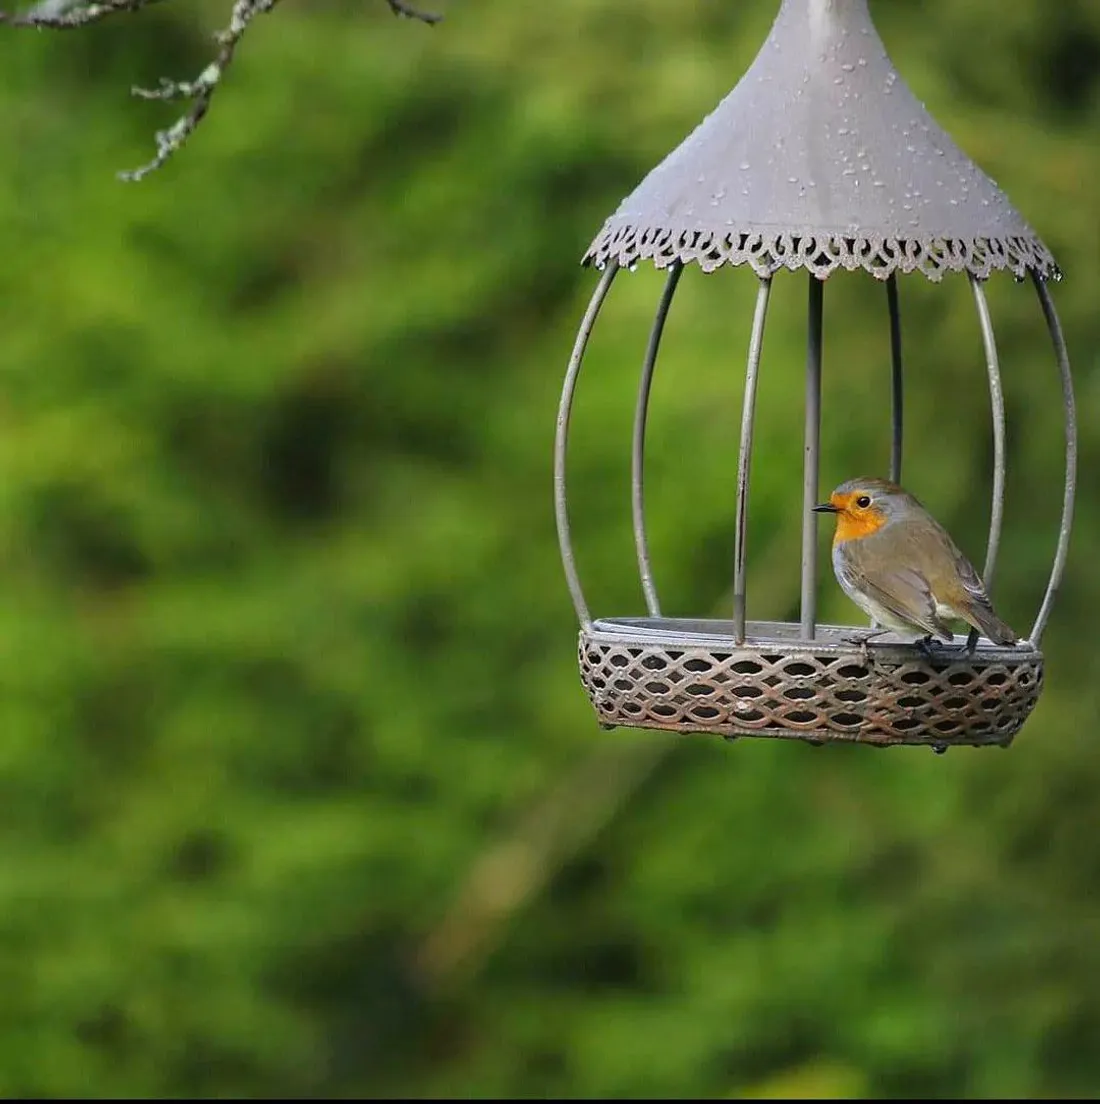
[985, 620]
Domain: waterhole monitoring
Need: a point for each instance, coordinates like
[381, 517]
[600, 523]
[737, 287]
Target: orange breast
[854, 526]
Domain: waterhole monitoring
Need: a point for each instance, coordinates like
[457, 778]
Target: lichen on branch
[63, 15]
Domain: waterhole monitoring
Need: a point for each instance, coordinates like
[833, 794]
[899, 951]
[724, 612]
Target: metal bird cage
[819, 159]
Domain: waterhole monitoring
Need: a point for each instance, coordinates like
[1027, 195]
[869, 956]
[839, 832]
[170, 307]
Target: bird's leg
[966, 648]
[924, 645]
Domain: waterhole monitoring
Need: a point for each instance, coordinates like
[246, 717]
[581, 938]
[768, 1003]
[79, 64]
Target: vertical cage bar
[561, 442]
[637, 459]
[811, 454]
[744, 457]
[997, 402]
[1059, 340]
[897, 388]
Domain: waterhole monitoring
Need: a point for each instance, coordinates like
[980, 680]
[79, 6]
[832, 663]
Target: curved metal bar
[997, 400]
[637, 459]
[811, 452]
[896, 379]
[744, 457]
[561, 441]
[1059, 340]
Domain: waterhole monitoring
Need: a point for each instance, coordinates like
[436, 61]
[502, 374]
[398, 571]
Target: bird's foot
[966, 648]
[933, 648]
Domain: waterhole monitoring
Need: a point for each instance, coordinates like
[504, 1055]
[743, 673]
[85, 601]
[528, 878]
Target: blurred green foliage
[299, 793]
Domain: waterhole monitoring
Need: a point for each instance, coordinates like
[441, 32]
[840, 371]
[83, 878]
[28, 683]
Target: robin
[898, 564]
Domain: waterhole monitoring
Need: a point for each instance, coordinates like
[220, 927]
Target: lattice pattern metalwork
[627, 243]
[888, 695]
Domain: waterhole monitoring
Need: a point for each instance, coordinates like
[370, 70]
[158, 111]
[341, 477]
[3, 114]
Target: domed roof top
[822, 157]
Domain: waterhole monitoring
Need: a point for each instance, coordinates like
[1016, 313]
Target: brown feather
[920, 547]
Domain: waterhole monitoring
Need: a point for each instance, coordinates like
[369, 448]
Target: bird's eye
[863, 501]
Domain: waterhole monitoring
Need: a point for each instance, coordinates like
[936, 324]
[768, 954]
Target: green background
[299, 791]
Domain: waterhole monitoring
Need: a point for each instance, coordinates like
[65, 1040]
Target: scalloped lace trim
[766, 253]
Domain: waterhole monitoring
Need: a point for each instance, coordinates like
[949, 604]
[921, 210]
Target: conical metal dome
[822, 157]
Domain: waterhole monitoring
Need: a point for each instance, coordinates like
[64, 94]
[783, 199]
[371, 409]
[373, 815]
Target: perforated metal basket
[690, 676]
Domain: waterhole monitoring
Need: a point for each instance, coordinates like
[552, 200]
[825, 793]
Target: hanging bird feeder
[819, 159]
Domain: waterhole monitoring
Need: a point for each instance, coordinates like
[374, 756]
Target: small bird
[898, 564]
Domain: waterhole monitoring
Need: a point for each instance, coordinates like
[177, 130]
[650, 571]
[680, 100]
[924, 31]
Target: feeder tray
[819, 159]
[678, 674]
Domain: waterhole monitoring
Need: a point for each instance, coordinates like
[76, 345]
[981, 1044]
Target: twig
[200, 91]
[64, 15]
[67, 20]
[399, 7]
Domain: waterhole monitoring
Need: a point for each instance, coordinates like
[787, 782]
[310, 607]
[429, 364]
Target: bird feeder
[820, 159]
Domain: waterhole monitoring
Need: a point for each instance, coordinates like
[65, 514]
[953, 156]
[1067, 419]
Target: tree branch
[399, 7]
[199, 91]
[64, 15]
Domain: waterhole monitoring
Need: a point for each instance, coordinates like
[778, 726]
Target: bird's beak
[826, 508]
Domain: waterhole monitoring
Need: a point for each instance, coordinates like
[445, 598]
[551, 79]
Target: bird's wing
[965, 593]
[901, 590]
[969, 578]
[971, 600]
[906, 594]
